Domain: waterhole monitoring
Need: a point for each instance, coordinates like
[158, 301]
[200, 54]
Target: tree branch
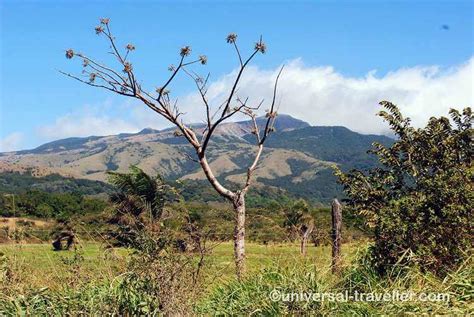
[112, 80]
[271, 114]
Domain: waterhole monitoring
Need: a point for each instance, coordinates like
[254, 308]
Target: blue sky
[338, 41]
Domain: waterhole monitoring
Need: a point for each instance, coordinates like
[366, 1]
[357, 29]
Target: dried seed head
[104, 21]
[85, 63]
[177, 133]
[162, 91]
[127, 67]
[69, 54]
[231, 38]
[260, 46]
[185, 51]
[99, 29]
[171, 68]
[271, 115]
[203, 59]
[130, 47]
[92, 77]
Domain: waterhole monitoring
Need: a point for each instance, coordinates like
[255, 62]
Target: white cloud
[319, 95]
[101, 119]
[322, 96]
[84, 125]
[11, 142]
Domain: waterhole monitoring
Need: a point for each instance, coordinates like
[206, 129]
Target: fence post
[336, 211]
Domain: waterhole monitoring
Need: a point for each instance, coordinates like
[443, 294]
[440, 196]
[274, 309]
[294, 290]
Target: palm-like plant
[139, 203]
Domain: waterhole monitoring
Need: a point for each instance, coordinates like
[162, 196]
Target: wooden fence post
[336, 209]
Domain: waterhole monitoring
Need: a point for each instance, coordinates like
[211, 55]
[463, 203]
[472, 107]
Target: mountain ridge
[297, 157]
[289, 122]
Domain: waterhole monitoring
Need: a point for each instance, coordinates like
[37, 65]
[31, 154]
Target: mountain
[334, 144]
[298, 157]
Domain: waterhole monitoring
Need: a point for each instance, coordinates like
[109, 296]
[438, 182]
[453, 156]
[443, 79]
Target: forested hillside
[297, 159]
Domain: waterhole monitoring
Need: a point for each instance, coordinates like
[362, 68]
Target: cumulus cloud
[319, 95]
[100, 119]
[11, 142]
[78, 125]
[323, 96]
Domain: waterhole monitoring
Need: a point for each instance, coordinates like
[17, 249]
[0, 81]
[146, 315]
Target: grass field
[40, 266]
[261, 256]
[37, 266]
[42, 281]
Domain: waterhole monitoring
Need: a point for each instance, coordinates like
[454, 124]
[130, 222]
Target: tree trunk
[336, 235]
[239, 234]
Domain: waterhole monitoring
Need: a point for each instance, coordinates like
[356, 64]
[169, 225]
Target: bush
[421, 200]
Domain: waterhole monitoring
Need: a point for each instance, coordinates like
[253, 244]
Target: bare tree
[305, 229]
[300, 223]
[125, 83]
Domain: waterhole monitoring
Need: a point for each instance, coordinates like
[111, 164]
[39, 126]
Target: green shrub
[421, 200]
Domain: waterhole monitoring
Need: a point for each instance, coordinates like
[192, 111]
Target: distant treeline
[41, 204]
[14, 182]
[82, 201]
[191, 191]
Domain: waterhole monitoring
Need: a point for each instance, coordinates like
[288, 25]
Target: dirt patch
[24, 230]
[16, 222]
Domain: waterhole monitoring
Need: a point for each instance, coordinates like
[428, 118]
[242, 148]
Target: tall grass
[124, 295]
[150, 283]
[142, 288]
[252, 296]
